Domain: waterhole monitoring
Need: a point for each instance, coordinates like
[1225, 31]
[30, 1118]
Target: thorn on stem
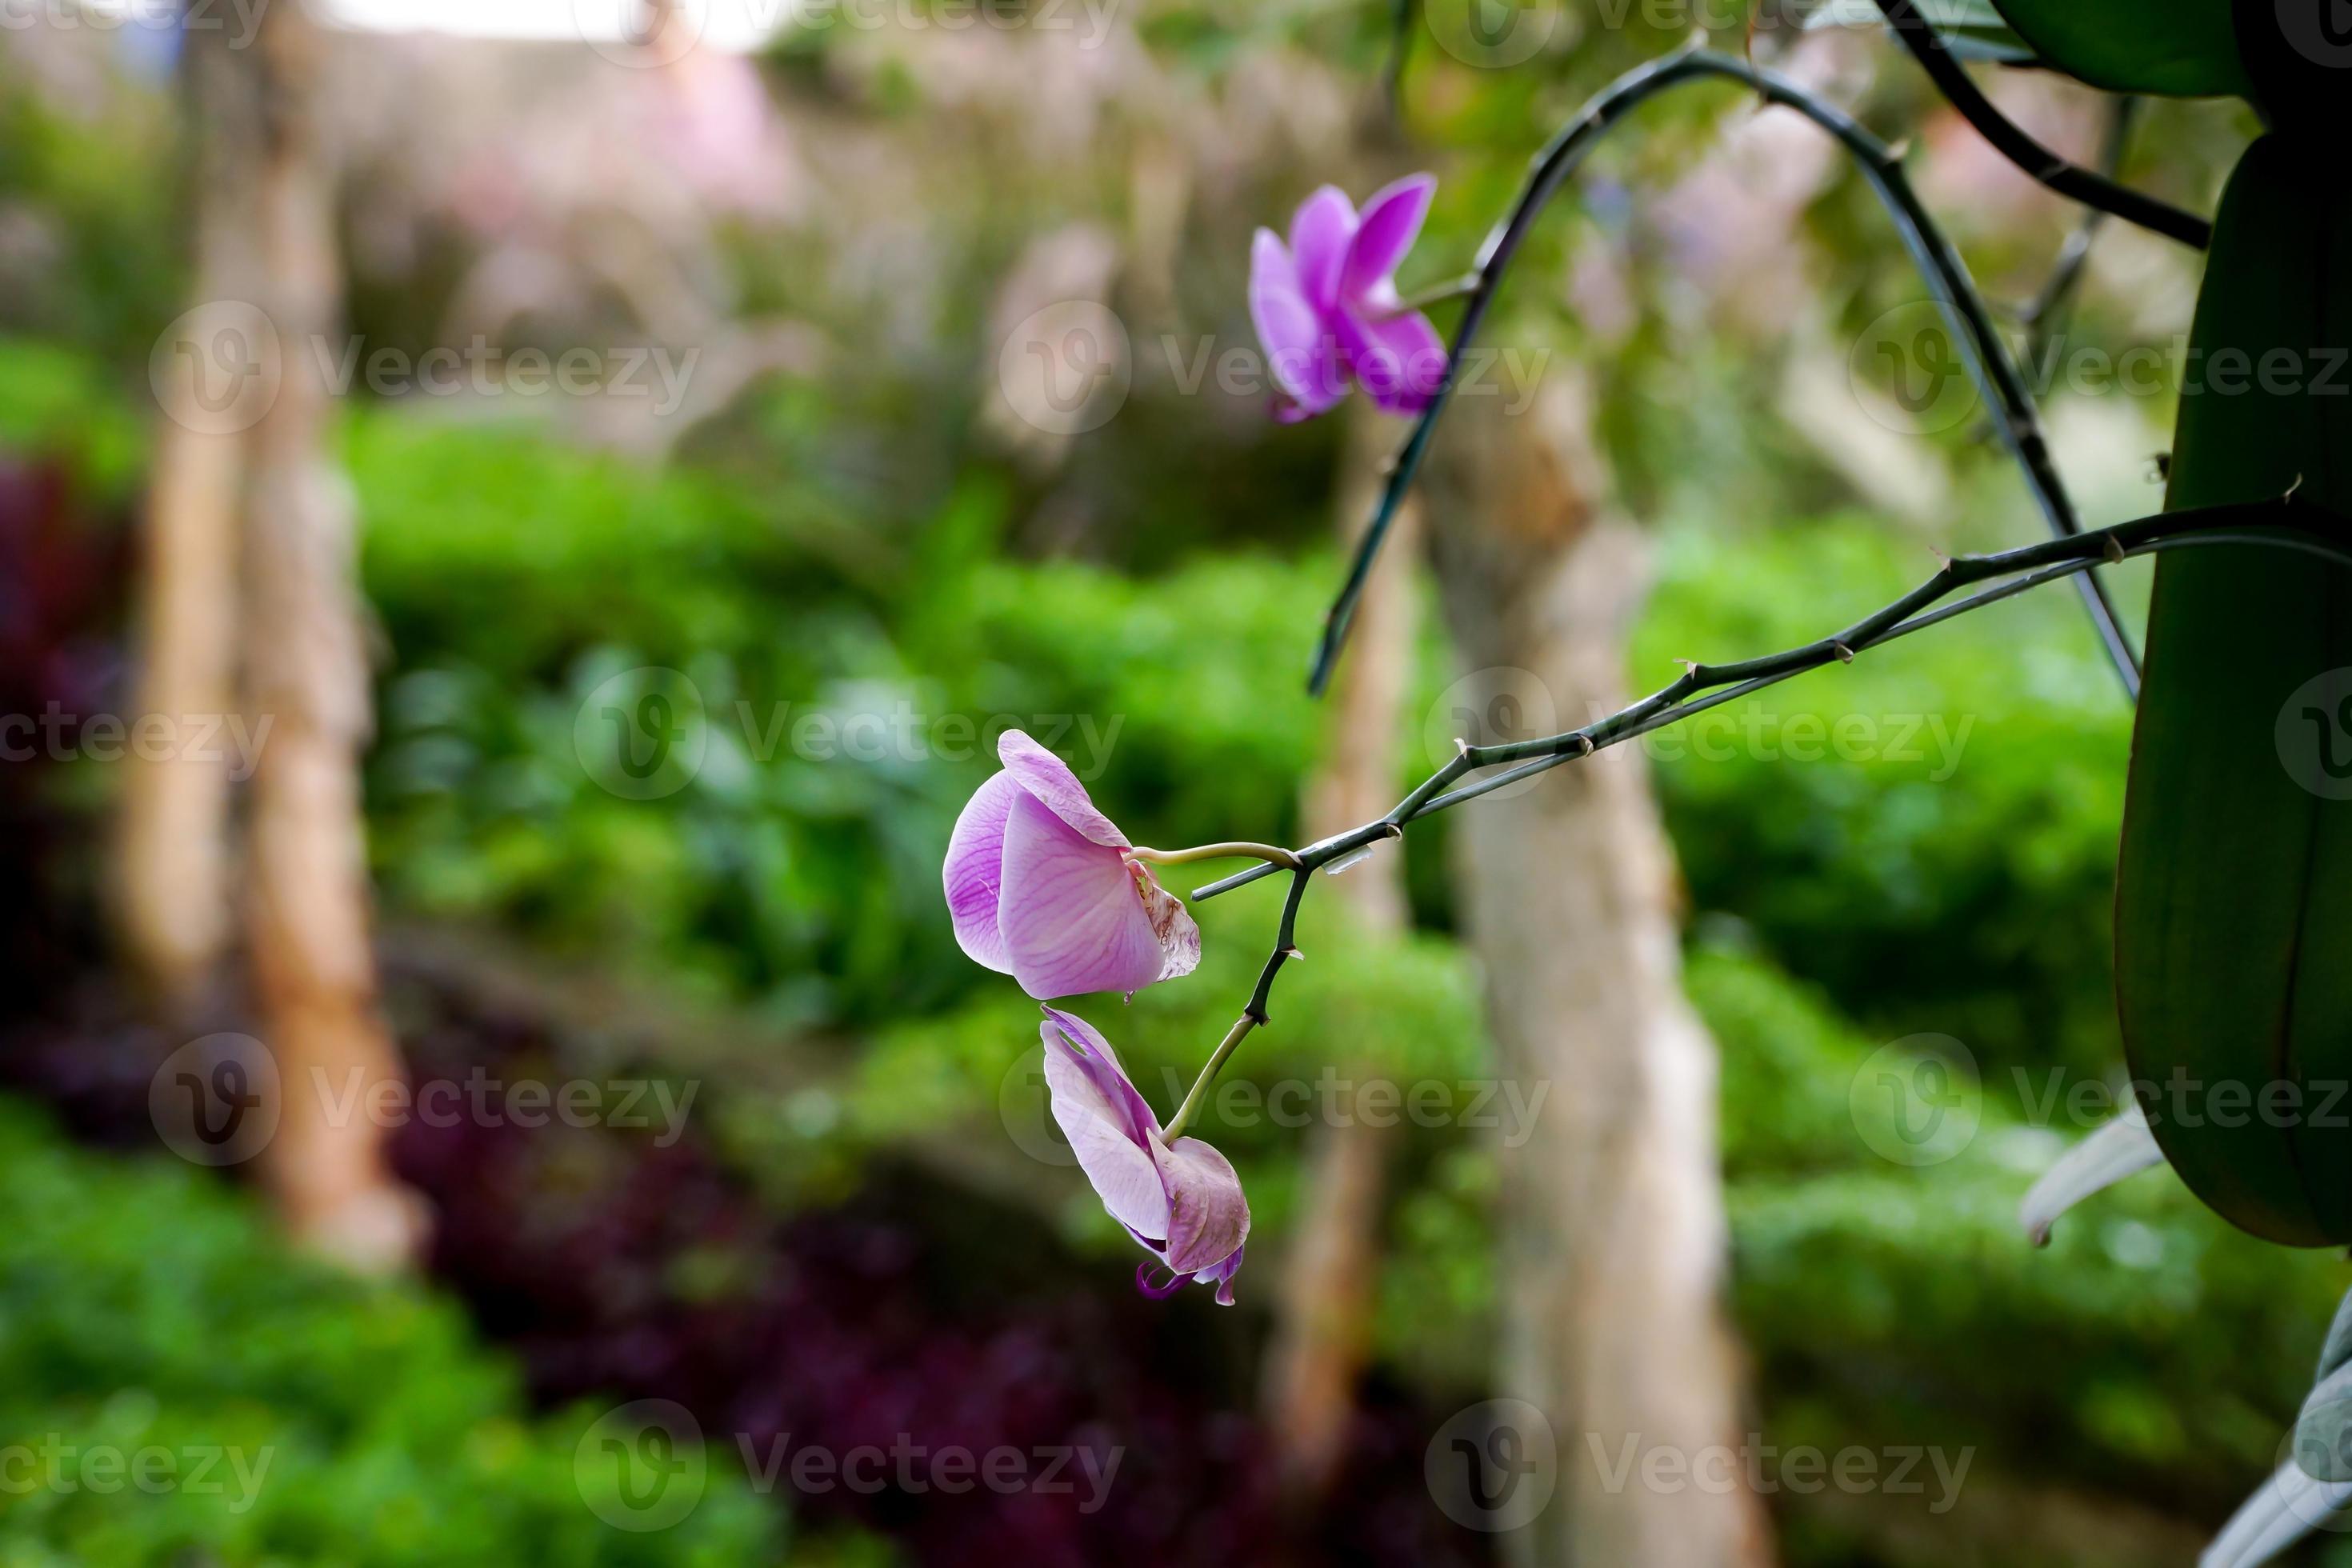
[2291, 489]
[1846, 654]
[1584, 746]
[1690, 666]
[2115, 550]
[1292, 952]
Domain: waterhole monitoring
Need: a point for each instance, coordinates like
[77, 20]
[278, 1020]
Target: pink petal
[1319, 236]
[1049, 778]
[1069, 910]
[1399, 360]
[1096, 1112]
[1092, 1052]
[1301, 353]
[1392, 221]
[974, 868]
[1208, 1217]
[1220, 1275]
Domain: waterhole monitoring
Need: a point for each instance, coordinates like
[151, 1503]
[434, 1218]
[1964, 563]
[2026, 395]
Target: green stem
[1273, 853]
[1234, 1036]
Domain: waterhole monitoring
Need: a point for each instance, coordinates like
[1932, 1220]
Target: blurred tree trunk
[1323, 1330]
[306, 665]
[172, 855]
[1613, 1230]
[266, 222]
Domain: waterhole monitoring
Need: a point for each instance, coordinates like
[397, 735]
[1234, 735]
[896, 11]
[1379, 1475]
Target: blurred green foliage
[288, 1413]
[844, 550]
[1929, 833]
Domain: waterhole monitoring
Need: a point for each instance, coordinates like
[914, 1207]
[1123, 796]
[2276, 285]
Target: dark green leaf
[2233, 911]
[2182, 48]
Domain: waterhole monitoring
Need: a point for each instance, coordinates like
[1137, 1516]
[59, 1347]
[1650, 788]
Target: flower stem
[1234, 1036]
[2283, 523]
[1273, 853]
[1435, 294]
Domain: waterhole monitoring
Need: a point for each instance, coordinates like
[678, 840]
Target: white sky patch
[731, 24]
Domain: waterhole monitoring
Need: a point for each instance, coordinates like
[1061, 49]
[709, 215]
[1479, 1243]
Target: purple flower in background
[1041, 886]
[1326, 307]
[1181, 1199]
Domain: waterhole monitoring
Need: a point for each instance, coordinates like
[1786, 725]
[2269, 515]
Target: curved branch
[2069, 180]
[1989, 365]
[2279, 524]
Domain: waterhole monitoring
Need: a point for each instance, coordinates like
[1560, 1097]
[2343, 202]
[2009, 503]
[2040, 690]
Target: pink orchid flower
[1327, 308]
[1180, 1199]
[1041, 887]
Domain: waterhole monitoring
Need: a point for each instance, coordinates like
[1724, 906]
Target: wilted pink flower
[1042, 886]
[1182, 1200]
[1327, 308]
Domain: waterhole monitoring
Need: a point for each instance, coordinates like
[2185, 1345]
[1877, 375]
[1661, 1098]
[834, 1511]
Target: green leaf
[2233, 900]
[2181, 48]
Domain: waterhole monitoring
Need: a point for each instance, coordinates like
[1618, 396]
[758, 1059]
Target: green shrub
[288, 1413]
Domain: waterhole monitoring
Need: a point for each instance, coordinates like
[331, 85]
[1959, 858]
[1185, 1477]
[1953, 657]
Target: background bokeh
[846, 515]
